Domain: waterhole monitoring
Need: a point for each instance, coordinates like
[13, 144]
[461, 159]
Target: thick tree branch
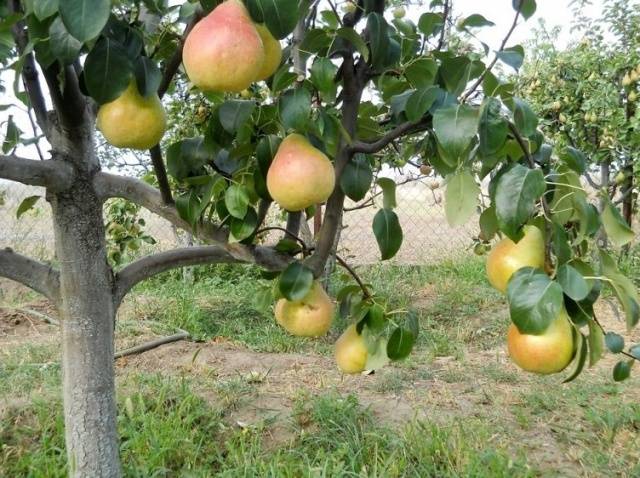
[445, 15]
[132, 189]
[33, 274]
[54, 175]
[69, 102]
[157, 263]
[138, 349]
[410, 127]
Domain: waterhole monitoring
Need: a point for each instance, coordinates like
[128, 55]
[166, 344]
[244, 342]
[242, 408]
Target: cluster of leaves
[125, 230]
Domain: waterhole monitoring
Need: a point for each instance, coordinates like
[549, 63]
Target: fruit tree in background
[292, 128]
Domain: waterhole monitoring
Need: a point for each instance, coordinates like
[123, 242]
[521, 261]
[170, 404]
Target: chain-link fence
[428, 238]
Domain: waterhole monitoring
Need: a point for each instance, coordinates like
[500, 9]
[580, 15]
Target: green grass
[168, 430]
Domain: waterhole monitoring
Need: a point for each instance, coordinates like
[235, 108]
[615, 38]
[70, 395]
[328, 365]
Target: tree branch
[51, 174]
[138, 349]
[33, 274]
[69, 102]
[157, 263]
[138, 192]
[30, 73]
[161, 174]
[445, 15]
[410, 127]
[479, 81]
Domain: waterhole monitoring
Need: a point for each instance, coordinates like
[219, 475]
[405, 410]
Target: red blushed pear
[300, 174]
[309, 317]
[549, 352]
[224, 51]
[507, 257]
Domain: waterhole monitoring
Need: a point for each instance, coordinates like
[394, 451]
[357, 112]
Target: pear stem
[365, 291]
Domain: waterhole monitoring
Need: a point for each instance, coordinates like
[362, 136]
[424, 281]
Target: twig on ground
[138, 349]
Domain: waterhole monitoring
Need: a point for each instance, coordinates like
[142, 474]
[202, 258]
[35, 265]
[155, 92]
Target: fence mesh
[428, 238]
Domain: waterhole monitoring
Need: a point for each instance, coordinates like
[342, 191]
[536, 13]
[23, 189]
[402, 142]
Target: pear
[300, 175]
[132, 120]
[351, 351]
[507, 257]
[272, 53]
[549, 352]
[224, 51]
[309, 317]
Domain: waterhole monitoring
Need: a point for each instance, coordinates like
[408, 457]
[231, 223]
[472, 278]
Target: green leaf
[420, 101]
[561, 246]
[243, 228]
[323, 74]
[295, 281]
[455, 127]
[188, 207]
[523, 116]
[623, 287]
[572, 282]
[430, 23]
[235, 113]
[43, 9]
[85, 19]
[356, 40]
[616, 227]
[488, 223]
[388, 232]
[377, 28]
[11, 137]
[63, 46]
[280, 16]
[581, 355]
[526, 7]
[460, 197]
[421, 73]
[476, 21]
[517, 191]
[107, 71]
[388, 187]
[596, 341]
[454, 74]
[614, 342]
[295, 108]
[236, 198]
[148, 76]
[493, 128]
[512, 56]
[534, 300]
[187, 158]
[574, 159]
[356, 178]
[400, 344]
[26, 205]
[634, 351]
[621, 371]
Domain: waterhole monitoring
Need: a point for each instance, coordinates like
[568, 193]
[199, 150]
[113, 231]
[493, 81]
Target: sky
[554, 12]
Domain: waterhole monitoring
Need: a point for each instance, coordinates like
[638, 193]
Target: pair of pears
[226, 51]
[312, 316]
[551, 351]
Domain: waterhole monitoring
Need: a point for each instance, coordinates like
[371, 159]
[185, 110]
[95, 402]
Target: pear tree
[300, 104]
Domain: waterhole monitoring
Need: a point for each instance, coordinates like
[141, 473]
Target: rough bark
[88, 314]
[33, 274]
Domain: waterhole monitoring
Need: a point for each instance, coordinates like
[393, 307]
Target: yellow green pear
[507, 257]
[549, 352]
[272, 53]
[351, 351]
[300, 174]
[132, 120]
[309, 317]
[224, 51]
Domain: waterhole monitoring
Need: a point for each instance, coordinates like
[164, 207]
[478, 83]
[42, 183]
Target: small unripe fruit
[349, 7]
[562, 118]
[620, 177]
[399, 13]
[633, 96]
[626, 80]
[556, 105]
[434, 185]
[633, 76]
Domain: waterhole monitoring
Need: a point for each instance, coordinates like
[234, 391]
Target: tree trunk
[88, 312]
